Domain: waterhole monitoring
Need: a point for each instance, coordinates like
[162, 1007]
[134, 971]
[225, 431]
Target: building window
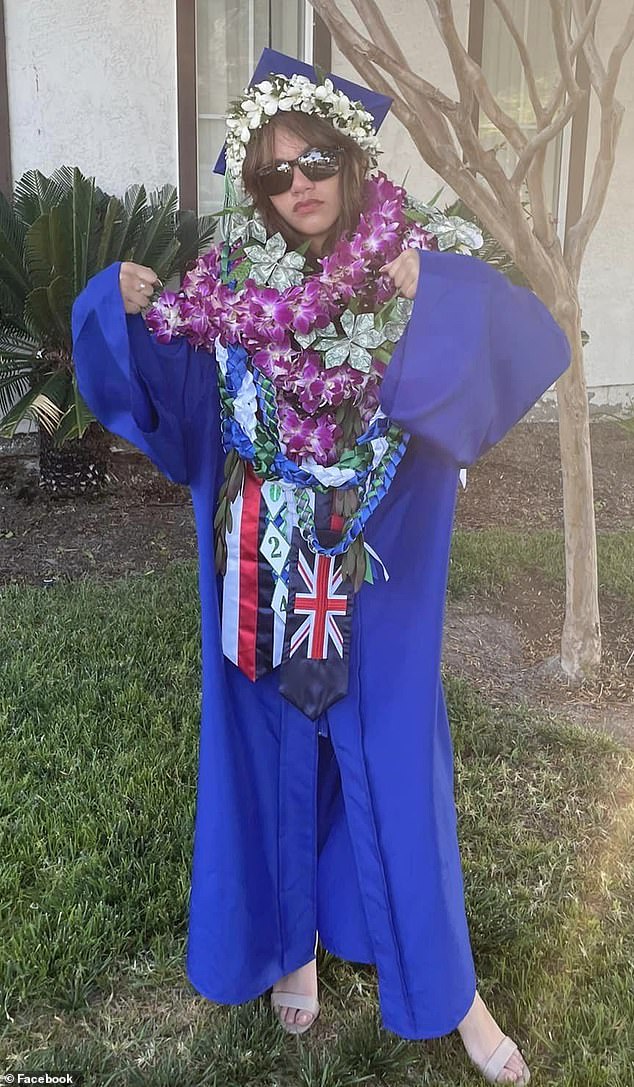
[230, 35]
[503, 69]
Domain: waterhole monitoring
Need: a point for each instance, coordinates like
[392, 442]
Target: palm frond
[35, 194]
[61, 182]
[42, 314]
[10, 305]
[30, 199]
[13, 272]
[168, 261]
[78, 416]
[38, 249]
[24, 353]
[135, 204]
[60, 300]
[158, 228]
[108, 249]
[46, 412]
[50, 256]
[83, 225]
[59, 232]
[12, 386]
[45, 403]
[13, 330]
[194, 235]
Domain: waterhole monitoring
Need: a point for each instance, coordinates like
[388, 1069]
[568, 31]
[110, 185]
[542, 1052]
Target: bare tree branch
[357, 49]
[439, 125]
[595, 64]
[611, 118]
[412, 85]
[468, 74]
[396, 66]
[378, 28]
[566, 50]
[562, 46]
[543, 224]
[544, 136]
[536, 102]
[617, 54]
[427, 125]
[361, 51]
[585, 29]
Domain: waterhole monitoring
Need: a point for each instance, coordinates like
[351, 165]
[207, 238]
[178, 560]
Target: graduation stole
[288, 592]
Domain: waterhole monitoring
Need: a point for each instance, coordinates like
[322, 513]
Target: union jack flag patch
[314, 671]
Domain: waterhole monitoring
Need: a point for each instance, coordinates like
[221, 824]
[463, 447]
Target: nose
[301, 183]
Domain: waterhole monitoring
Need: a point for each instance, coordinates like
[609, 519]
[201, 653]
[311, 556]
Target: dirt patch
[508, 646]
[518, 482]
[143, 524]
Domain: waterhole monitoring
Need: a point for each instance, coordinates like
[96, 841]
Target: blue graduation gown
[347, 825]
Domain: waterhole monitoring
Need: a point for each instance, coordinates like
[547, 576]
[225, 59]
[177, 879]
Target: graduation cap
[273, 63]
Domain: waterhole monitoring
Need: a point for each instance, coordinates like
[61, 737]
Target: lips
[307, 205]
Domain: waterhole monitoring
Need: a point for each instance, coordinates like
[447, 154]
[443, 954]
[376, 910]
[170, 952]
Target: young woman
[325, 804]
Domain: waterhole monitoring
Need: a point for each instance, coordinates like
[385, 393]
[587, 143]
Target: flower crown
[259, 103]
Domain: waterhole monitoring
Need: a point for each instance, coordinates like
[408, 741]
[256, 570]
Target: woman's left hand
[403, 271]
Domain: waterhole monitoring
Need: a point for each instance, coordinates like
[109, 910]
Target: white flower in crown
[258, 104]
[326, 91]
[341, 107]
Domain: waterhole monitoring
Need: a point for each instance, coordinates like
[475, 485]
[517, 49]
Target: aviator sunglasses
[317, 163]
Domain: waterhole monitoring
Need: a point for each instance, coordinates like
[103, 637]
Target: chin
[310, 226]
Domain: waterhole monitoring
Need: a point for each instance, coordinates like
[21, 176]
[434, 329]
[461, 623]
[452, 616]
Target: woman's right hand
[137, 285]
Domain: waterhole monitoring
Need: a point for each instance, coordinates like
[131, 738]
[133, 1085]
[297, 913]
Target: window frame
[6, 173]
[575, 136]
[187, 93]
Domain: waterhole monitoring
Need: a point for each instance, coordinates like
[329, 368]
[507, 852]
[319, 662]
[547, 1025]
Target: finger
[146, 275]
[401, 281]
[140, 278]
[392, 265]
[142, 294]
[391, 273]
[136, 297]
[408, 290]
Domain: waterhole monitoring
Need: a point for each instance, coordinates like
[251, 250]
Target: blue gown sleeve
[140, 389]
[477, 353]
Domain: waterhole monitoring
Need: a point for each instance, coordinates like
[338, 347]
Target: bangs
[314, 131]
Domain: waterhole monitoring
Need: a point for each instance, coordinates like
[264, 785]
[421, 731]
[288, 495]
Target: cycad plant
[54, 236]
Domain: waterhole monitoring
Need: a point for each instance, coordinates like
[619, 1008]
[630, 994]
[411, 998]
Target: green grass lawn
[99, 713]
[487, 560]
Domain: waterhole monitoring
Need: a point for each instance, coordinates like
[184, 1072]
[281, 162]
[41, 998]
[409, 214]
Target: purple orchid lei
[321, 408]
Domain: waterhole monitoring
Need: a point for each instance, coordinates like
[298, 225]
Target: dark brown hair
[316, 132]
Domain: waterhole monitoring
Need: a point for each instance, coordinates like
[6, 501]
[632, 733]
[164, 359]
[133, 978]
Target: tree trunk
[581, 635]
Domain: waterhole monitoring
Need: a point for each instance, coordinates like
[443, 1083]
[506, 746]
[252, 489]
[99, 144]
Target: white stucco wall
[93, 85]
[607, 286]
